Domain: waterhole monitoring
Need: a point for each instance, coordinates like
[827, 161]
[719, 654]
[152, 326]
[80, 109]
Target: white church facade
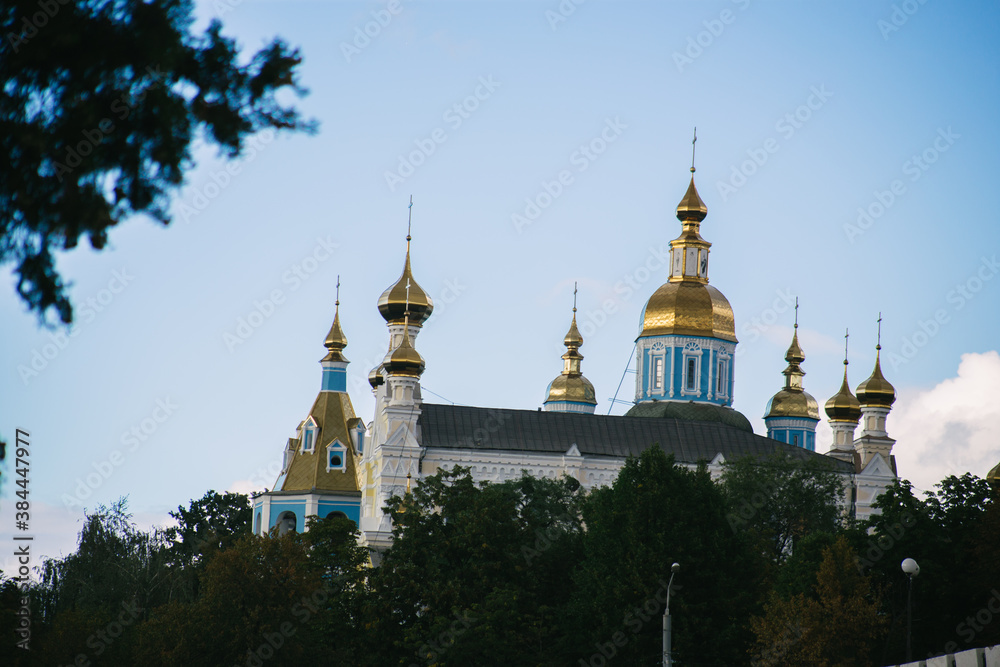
[685, 381]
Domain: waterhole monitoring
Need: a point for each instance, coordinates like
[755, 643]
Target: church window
[287, 523]
[658, 373]
[690, 373]
[795, 440]
[336, 456]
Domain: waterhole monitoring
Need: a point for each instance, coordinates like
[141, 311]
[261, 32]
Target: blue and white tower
[686, 346]
[792, 414]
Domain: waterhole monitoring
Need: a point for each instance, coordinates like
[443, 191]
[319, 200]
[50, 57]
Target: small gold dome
[405, 360]
[688, 309]
[791, 403]
[335, 341]
[375, 376]
[843, 406]
[394, 301]
[691, 206]
[993, 476]
[574, 388]
[876, 390]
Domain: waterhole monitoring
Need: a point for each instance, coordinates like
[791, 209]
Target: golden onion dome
[405, 360]
[573, 337]
[573, 388]
[792, 403]
[876, 390]
[795, 355]
[335, 341]
[688, 309]
[993, 476]
[843, 406]
[375, 376]
[395, 301]
[691, 206]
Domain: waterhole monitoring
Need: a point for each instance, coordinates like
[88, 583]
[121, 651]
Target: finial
[693, 141]
[407, 482]
[796, 312]
[337, 302]
[574, 298]
[847, 335]
[409, 219]
[878, 345]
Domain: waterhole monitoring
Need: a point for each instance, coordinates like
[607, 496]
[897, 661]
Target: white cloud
[952, 428]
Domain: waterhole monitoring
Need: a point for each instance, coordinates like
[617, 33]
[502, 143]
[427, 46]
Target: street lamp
[667, 660]
[910, 569]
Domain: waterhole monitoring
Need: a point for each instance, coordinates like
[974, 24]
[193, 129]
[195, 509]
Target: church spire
[689, 251]
[571, 392]
[335, 363]
[792, 414]
[335, 341]
[843, 410]
[405, 293]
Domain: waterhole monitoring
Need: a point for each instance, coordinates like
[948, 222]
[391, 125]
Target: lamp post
[667, 660]
[910, 569]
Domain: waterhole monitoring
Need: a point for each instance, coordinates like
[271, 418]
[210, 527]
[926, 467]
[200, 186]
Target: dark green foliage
[527, 572]
[654, 514]
[774, 503]
[101, 102]
[948, 533]
[477, 574]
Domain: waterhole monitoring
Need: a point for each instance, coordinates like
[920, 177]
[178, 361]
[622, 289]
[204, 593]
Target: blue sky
[808, 115]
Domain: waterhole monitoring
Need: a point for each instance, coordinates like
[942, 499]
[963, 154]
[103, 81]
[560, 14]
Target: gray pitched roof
[529, 431]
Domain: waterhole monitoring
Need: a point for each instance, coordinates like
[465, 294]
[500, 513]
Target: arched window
[287, 523]
[256, 524]
[336, 457]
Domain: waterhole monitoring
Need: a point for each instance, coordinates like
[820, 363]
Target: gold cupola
[793, 400]
[876, 390]
[336, 341]
[404, 361]
[687, 305]
[571, 391]
[844, 407]
[405, 294]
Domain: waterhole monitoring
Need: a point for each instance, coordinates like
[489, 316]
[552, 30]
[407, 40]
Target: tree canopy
[101, 102]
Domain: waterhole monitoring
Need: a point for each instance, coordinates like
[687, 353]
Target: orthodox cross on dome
[409, 219]
[847, 335]
[796, 312]
[574, 297]
[878, 345]
[694, 141]
[337, 302]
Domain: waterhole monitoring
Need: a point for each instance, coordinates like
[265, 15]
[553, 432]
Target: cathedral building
[685, 382]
